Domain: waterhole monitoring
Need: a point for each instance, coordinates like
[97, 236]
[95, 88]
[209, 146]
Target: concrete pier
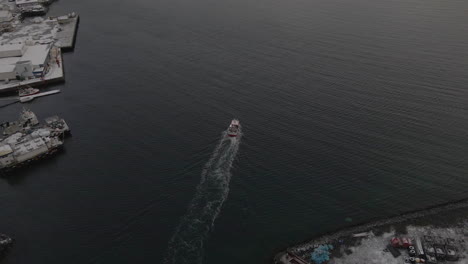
[58, 32]
[67, 35]
[54, 74]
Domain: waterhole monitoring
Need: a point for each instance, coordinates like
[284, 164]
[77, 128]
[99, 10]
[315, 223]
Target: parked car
[431, 259]
[396, 242]
[428, 239]
[452, 253]
[406, 242]
[430, 250]
[440, 251]
[450, 242]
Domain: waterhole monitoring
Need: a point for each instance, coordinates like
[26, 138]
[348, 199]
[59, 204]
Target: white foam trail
[186, 245]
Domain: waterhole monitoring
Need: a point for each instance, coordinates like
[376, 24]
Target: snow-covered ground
[370, 250]
[37, 30]
[54, 73]
[445, 221]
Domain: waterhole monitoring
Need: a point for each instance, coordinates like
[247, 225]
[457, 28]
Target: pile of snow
[37, 20]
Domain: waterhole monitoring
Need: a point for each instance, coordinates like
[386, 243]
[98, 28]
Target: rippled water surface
[351, 109]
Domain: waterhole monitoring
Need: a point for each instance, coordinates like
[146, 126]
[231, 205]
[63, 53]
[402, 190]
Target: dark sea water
[350, 109]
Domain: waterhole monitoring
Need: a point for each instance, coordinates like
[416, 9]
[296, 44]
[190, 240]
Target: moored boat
[5, 242]
[451, 251]
[35, 10]
[233, 129]
[28, 91]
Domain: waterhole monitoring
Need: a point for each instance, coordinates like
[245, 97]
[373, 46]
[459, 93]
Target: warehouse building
[12, 50]
[22, 61]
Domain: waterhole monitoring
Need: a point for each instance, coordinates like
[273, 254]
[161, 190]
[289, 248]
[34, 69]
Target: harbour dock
[31, 47]
[433, 235]
[54, 74]
[67, 35]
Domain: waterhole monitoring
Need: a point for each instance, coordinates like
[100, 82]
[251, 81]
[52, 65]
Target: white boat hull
[24, 99]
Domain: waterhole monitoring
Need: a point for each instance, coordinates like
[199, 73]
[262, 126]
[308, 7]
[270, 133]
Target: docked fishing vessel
[26, 121]
[34, 10]
[5, 242]
[57, 125]
[26, 140]
[233, 129]
[28, 91]
[19, 149]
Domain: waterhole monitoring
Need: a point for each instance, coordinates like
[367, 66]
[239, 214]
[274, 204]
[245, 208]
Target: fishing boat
[5, 242]
[35, 10]
[27, 98]
[233, 129]
[28, 91]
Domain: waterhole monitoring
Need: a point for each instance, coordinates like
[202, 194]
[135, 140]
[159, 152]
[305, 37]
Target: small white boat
[363, 234]
[23, 92]
[24, 99]
[5, 241]
[233, 129]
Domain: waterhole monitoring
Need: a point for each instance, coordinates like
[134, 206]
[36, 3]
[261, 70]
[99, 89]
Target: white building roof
[11, 47]
[7, 68]
[9, 60]
[36, 54]
[8, 64]
[5, 13]
[5, 150]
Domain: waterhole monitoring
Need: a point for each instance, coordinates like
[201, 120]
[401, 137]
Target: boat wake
[186, 245]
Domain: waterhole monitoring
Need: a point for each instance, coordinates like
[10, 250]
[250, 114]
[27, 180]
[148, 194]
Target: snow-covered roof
[7, 68]
[5, 150]
[5, 13]
[11, 47]
[36, 54]
[9, 60]
[8, 64]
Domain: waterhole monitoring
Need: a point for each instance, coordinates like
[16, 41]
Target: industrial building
[5, 16]
[20, 61]
[12, 50]
[6, 19]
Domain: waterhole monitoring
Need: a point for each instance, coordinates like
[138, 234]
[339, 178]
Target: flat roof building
[8, 68]
[12, 50]
[37, 55]
[23, 61]
[5, 16]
